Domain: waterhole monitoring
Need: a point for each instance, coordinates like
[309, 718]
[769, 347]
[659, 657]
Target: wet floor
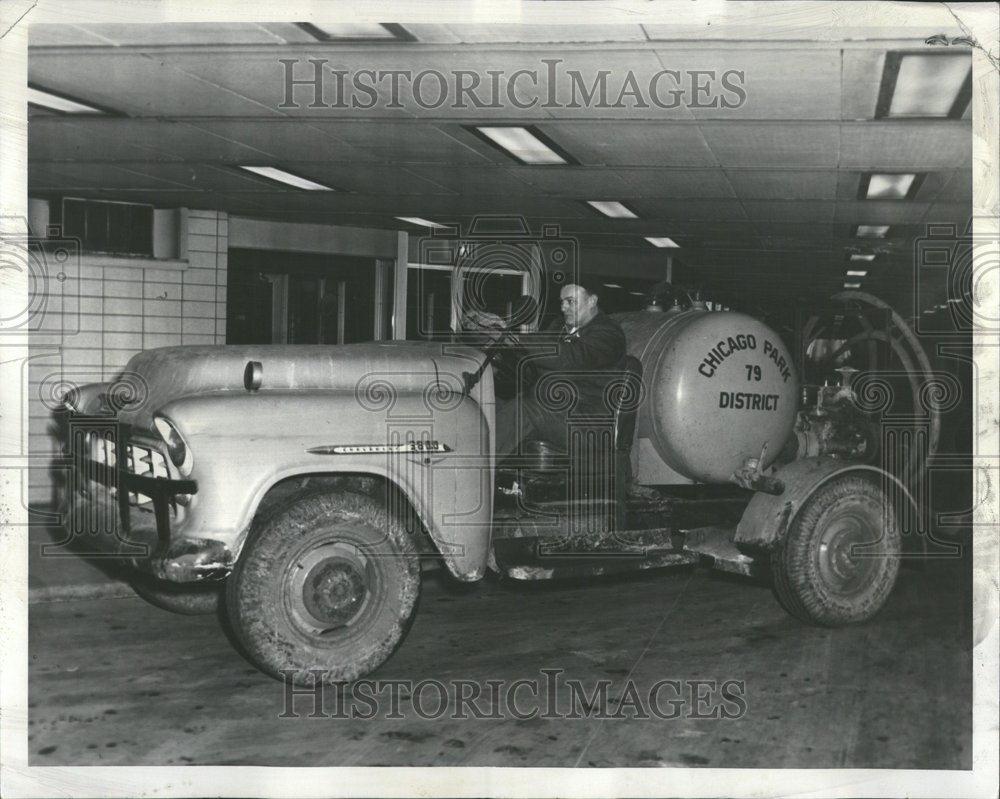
[684, 668]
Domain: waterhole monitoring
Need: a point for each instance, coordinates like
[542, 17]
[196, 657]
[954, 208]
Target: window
[437, 296]
[109, 227]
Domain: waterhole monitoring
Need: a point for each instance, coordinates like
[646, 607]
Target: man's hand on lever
[474, 319]
[499, 336]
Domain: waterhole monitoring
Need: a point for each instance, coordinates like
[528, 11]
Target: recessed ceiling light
[887, 186]
[852, 285]
[61, 103]
[289, 179]
[526, 144]
[861, 256]
[357, 32]
[856, 272]
[638, 293]
[416, 220]
[612, 285]
[612, 208]
[662, 241]
[927, 310]
[925, 85]
[872, 231]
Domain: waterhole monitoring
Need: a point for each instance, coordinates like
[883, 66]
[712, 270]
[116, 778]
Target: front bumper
[105, 507]
[146, 549]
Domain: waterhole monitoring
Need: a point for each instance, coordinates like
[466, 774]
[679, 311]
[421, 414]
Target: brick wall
[94, 322]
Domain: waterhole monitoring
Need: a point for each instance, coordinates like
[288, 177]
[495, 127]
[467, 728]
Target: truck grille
[139, 460]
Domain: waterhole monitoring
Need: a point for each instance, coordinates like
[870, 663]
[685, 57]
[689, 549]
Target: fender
[243, 444]
[767, 517]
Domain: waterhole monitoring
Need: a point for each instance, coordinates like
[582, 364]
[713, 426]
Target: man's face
[577, 305]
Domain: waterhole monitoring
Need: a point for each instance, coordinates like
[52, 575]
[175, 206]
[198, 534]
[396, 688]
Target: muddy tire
[187, 600]
[839, 560]
[325, 587]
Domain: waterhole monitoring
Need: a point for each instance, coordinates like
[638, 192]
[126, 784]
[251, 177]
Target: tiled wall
[116, 308]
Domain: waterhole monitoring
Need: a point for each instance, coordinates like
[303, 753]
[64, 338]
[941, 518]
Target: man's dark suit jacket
[587, 359]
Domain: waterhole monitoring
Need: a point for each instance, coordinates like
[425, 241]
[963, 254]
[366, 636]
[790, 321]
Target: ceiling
[762, 198]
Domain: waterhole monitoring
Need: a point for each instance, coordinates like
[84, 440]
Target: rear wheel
[840, 558]
[325, 587]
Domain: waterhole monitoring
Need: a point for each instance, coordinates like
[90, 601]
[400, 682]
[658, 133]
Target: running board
[548, 558]
[596, 567]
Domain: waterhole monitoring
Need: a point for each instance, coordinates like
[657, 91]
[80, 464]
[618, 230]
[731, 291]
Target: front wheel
[840, 558]
[324, 589]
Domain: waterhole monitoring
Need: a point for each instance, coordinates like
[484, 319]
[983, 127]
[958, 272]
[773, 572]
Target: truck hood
[369, 370]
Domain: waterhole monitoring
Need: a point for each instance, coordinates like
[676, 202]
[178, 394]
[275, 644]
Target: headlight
[71, 401]
[176, 448]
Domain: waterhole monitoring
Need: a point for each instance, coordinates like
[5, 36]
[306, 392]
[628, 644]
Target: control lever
[471, 379]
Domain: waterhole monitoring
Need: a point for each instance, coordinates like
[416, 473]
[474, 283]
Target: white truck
[305, 484]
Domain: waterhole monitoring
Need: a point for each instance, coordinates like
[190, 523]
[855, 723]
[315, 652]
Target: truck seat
[618, 429]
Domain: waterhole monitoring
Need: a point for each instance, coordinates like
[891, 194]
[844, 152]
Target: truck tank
[719, 386]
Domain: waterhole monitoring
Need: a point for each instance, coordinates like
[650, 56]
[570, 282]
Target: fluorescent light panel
[857, 256]
[852, 285]
[354, 30]
[928, 85]
[281, 176]
[612, 208]
[521, 143]
[857, 272]
[54, 102]
[662, 241]
[357, 32]
[416, 220]
[872, 231]
[889, 187]
[612, 285]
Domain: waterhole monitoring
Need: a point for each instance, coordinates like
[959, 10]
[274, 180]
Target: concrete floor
[115, 681]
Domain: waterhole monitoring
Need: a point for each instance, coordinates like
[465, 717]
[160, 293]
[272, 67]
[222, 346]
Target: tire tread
[791, 564]
[291, 520]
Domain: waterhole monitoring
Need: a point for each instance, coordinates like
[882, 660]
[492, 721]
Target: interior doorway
[299, 298]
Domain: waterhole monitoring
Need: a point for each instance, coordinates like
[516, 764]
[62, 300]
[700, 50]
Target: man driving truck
[580, 355]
